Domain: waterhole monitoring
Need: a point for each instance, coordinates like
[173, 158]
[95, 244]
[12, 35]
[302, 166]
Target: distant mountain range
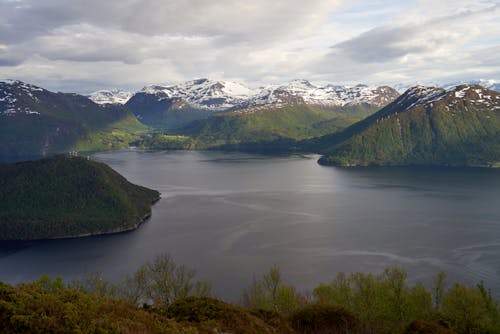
[220, 95]
[223, 95]
[172, 107]
[459, 126]
[357, 125]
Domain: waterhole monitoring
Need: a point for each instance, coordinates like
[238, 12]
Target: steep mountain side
[68, 196]
[37, 122]
[425, 126]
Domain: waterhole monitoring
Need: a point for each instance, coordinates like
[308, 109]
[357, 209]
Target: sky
[85, 45]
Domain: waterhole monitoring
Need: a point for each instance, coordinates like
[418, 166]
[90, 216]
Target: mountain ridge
[38, 122]
[424, 126]
[172, 107]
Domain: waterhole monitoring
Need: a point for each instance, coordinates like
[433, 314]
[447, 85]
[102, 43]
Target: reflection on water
[232, 215]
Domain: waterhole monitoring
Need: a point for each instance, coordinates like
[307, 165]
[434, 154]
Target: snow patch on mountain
[110, 96]
[486, 83]
[204, 93]
[427, 96]
[329, 95]
[10, 93]
[224, 95]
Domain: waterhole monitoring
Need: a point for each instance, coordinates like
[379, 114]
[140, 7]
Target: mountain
[333, 96]
[490, 84]
[111, 96]
[262, 125]
[67, 196]
[424, 126]
[486, 83]
[37, 122]
[277, 116]
[204, 94]
[172, 107]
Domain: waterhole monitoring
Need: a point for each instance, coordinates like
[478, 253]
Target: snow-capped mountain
[204, 94]
[37, 122]
[329, 95]
[458, 126]
[111, 96]
[458, 94]
[17, 97]
[225, 95]
[486, 83]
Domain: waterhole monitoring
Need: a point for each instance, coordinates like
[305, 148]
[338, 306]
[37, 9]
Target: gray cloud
[387, 43]
[133, 42]
[258, 19]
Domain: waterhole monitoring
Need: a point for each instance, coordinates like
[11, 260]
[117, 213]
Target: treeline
[164, 297]
[383, 303]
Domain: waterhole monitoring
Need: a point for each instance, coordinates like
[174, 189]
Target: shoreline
[131, 228]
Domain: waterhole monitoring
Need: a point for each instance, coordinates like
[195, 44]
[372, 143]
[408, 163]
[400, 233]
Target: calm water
[231, 216]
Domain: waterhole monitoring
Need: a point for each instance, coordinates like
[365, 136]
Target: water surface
[231, 216]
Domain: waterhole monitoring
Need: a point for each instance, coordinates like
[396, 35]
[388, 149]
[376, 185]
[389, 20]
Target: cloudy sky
[84, 45]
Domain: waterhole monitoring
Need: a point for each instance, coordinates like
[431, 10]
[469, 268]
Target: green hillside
[68, 196]
[265, 124]
[36, 122]
[425, 126]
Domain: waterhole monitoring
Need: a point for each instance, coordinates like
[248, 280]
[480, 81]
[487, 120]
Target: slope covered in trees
[67, 196]
[424, 126]
[266, 124]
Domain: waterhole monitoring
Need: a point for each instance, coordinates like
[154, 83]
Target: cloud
[133, 42]
[387, 43]
[437, 46]
[250, 20]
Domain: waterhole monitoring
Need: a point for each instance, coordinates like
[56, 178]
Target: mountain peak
[301, 83]
[110, 96]
[205, 94]
[20, 84]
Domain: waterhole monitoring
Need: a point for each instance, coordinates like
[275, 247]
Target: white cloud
[88, 44]
[420, 49]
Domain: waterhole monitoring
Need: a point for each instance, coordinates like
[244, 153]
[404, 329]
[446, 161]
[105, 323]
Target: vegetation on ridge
[452, 130]
[356, 303]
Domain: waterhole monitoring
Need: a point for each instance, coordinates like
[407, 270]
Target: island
[68, 196]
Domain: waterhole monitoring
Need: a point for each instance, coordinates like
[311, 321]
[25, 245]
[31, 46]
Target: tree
[166, 281]
[338, 292]
[396, 293]
[464, 308]
[269, 293]
[438, 290]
